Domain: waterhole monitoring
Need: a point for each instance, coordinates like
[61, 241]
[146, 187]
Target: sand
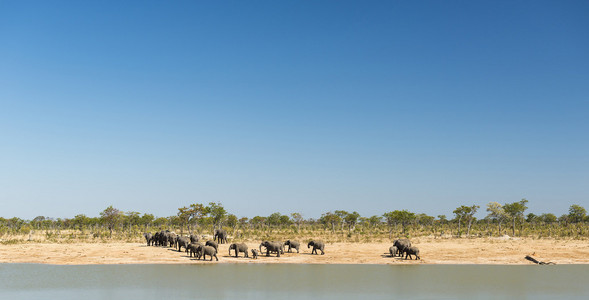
[502, 251]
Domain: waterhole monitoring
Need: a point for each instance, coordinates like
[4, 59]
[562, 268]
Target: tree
[80, 221]
[273, 219]
[374, 221]
[217, 213]
[466, 213]
[352, 219]
[496, 212]
[111, 217]
[132, 218]
[329, 218]
[184, 214]
[284, 220]
[548, 218]
[396, 217]
[576, 213]
[298, 219]
[342, 214]
[146, 220]
[232, 222]
[515, 211]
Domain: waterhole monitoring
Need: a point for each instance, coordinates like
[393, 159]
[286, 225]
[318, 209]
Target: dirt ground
[433, 251]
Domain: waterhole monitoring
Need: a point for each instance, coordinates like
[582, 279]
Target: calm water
[226, 281]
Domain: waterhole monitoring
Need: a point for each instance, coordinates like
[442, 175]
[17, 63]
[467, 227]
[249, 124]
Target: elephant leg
[322, 252]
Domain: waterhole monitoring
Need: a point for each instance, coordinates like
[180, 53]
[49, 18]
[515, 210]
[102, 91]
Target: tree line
[200, 218]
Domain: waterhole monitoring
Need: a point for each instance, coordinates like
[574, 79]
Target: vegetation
[336, 226]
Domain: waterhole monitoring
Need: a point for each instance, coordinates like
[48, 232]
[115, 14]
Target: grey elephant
[316, 245]
[148, 238]
[238, 248]
[393, 251]
[255, 253]
[182, 241]
[401, 244]
[206, 250]
[192, 249]
[292, 244]
[220, 236]
[411, 251]
[193, 238]
[212, 244]
[272, 247]
[171, 239]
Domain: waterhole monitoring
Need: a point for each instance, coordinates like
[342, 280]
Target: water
[288, 281]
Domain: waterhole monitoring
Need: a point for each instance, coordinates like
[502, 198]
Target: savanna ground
[434, 250]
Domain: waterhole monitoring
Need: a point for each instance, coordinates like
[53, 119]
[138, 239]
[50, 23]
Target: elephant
[272, 247]
[157, 238]
[220, 236]
[193, 238]
[255, 253]
[148, 238]
[206, 250]
[316, 245]
[393, 251]
[411, 251]
[292, 244]
[238, 248]
[192, 249]
[401, 244]
[170, 239]
[212, 244]
[163, 238]
[183, 241]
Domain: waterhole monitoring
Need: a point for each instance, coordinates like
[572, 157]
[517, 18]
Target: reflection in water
[287, 281]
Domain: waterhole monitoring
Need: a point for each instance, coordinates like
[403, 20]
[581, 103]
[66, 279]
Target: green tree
[81, 221]
[273, 219]
[111, 217]
[330, 219]
[232, 222]
[396, 217]
[497, 213]
[515, 211]
[351, 220]
[577, 213]
[217, 213]
[297, 219]
[465, 213]
[146, 220]
[374, 221]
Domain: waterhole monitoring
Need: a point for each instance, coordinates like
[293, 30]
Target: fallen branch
[538, 262]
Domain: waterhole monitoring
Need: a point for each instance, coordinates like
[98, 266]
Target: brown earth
[433, 251]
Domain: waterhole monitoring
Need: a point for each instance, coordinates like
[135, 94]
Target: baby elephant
[393, 251]
[238, 248]
[292, 244]
[255, 253]
[192, 248]
[412, 251]
[316, 245]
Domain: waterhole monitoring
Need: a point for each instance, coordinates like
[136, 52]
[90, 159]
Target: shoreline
[479, 251]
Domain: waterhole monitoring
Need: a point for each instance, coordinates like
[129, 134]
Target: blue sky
[292, 106]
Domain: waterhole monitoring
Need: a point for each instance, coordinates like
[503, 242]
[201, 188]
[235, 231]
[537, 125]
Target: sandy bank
[433, 251]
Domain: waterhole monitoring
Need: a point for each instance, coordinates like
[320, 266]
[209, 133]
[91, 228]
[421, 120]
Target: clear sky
[292, 106]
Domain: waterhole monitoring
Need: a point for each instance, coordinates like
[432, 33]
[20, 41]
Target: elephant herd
[193, 247]
[402, 247]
